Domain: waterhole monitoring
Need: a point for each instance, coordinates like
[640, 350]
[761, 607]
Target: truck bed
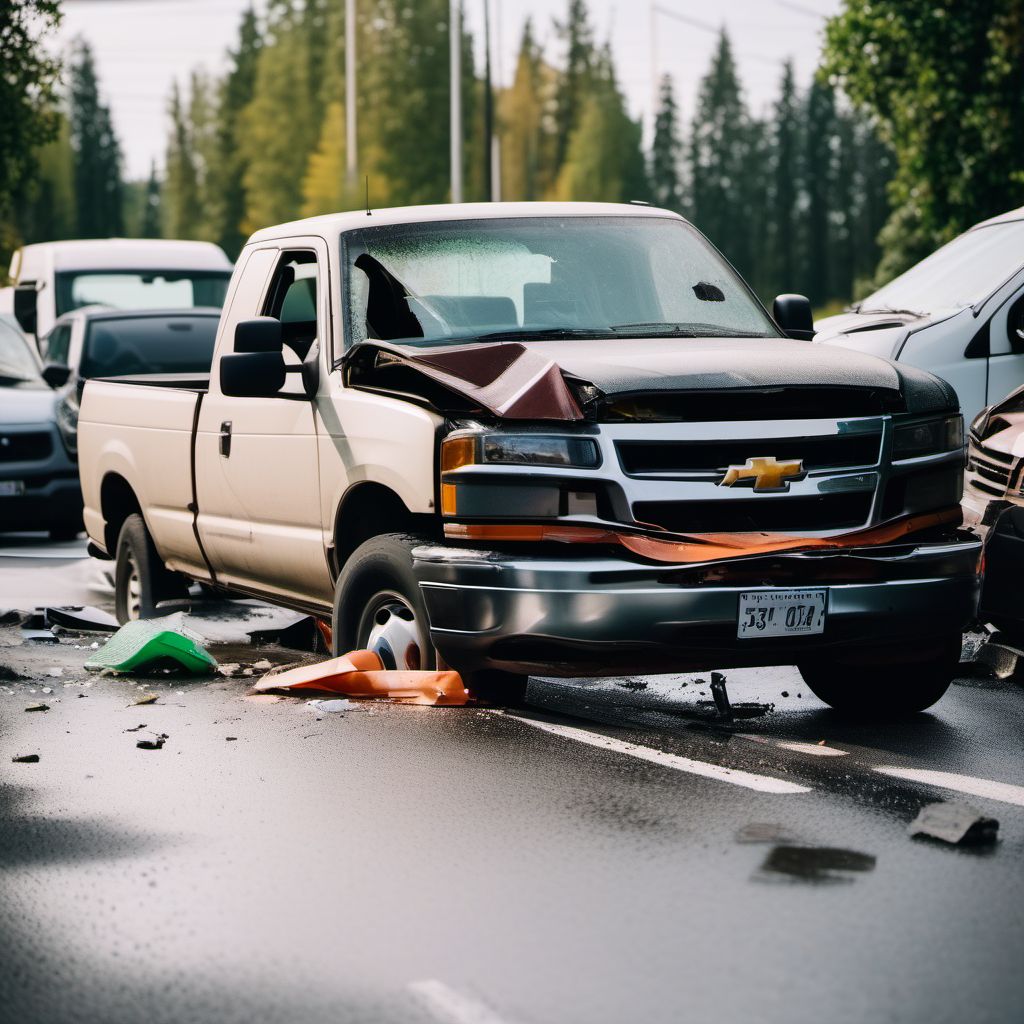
[142, 429]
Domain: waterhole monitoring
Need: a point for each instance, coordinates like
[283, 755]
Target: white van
[959, 314]
[52, 278]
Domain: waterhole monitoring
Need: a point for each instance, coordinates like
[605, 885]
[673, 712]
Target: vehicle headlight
[930, 437]
[67, 424]
[540, 450]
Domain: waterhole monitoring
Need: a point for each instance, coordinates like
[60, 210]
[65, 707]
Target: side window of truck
[56, 345]
[292, 299]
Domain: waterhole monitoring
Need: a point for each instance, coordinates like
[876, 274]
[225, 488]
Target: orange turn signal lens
[457, 452]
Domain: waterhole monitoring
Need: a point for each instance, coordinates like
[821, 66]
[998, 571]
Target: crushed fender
[84, 620]
[362, 674]
[956, 823]
[141, 644]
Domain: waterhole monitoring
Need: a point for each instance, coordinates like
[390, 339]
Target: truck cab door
[257, 474]
[1006, 349]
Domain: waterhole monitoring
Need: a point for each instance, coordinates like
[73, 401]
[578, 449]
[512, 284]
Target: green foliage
[27, 91]
[945, 81]
[666, 151]
[99, 190]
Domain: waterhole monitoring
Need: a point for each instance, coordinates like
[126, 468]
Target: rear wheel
[885, 683]
[141, 580]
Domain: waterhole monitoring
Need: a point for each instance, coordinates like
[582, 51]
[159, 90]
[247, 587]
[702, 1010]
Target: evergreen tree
[819, 174]
[46, 202]
[786, 185]
[666, 151]
[182, 206]
[575, 82]
[149, 224]
[719, 159]
[97, 154]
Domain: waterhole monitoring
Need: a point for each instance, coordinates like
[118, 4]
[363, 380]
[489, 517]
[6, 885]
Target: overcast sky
[141, 46]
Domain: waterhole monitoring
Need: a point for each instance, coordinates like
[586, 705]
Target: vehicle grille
[772, 514]
[642, 458]
[27, 447]
[989, 471]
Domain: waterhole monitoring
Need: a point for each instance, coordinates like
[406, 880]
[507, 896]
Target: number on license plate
[781, 613]
[11, 488]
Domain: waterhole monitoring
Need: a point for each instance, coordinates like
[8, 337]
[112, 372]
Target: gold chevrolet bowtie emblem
[767, 474]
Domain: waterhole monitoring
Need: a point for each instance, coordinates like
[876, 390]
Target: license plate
[11, 488]
[781, 613]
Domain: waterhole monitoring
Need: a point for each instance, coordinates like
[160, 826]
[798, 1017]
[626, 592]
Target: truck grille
[771, 514]
[679, 458]
[27, 447]
[989, 471]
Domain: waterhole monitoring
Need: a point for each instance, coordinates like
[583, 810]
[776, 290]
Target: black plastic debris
[302, 635]
[26, 759]
[84, 620]
[956, 823]
[34, 620]
[137, 728]
[38, 707]
[38, 636]
[10, 617]
[156, 743]
[633, 684]
[721, 696]
[815, 864]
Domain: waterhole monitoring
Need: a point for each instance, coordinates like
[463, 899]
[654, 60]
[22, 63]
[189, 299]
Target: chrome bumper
[603, 616]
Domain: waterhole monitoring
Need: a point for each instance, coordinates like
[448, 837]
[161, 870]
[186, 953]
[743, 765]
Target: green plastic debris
[138, 644]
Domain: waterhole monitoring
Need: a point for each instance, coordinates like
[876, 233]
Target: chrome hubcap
[393, 633]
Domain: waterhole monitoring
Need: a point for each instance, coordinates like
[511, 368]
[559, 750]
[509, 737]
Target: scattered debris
[230, 739]
[137, 728]
[8, 675]
[766, 832]
[305, 634]
[156, 743]
[333, 706]
[262, 666]
[139, 644]
[39, 636]
[721, 696]
[26, 759]
[956, 823]
[82, 620]
[10, 617]
[362, 674]
[815, 864]
[999, 656]
[785, 693]
[633, 684]
[38, 707]
[146, 698]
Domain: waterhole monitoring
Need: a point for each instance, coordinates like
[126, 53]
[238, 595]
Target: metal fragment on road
[721, 696]
[815, 864]
[25, 759]
[956, 823]
[38, 707]
[156, 743]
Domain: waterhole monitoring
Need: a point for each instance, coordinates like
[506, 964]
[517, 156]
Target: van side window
[292, 299]
[56, 345]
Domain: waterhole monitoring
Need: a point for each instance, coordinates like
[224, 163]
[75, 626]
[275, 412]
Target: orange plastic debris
[362, 674]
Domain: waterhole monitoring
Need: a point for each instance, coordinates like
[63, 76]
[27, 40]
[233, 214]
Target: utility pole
[488, 104]
[455, 45]
[351, 156]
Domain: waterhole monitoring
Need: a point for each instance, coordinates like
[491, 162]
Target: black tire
[376, 580]
[885, 684]
[136, 558]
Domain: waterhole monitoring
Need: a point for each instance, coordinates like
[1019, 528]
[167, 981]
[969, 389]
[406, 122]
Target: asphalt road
[611, 854]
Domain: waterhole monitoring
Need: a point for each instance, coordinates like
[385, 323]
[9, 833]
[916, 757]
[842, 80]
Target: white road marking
[761, 783]
[449, 1006]
[1004, 792]
[818, 750]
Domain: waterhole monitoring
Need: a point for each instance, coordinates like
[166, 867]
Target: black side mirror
[26, 309]
[260, 335]
[793, 314]
[252, 374]
[56, 374]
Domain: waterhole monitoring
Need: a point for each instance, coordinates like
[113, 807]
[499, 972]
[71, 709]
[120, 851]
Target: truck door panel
[1006, 347]
[259, 493]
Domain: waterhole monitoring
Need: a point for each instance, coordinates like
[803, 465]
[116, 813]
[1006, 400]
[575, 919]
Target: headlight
[67, 424]
[928, 438]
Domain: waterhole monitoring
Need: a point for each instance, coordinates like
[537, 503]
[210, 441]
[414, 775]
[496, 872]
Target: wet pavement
[612, 853]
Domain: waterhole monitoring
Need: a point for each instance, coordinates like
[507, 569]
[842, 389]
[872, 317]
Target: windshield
[130, 345]
[141, 289]
[17, 364]
[959, 274]
[542, 277]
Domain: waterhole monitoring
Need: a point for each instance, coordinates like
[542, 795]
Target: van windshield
[148, 344]
[17, 364]
[141, 289]
[959, 274]
[543, 277]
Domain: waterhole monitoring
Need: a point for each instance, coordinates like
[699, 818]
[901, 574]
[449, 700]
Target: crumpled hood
[26, 405]
[700, 364]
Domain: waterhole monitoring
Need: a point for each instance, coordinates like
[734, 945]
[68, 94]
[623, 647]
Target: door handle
[225, 439]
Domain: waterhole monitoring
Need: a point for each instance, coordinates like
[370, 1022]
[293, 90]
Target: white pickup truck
[559, 439]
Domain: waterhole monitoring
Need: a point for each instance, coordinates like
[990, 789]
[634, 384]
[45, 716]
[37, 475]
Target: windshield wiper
[658, 328]
[889, 309]
[539, 334]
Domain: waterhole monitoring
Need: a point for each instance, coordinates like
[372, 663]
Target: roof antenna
[368, 214]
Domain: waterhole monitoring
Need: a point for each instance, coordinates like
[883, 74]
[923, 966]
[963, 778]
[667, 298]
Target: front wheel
[141, 580]
[888, 683]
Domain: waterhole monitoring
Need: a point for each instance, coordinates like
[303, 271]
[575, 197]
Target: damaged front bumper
[601, 615]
